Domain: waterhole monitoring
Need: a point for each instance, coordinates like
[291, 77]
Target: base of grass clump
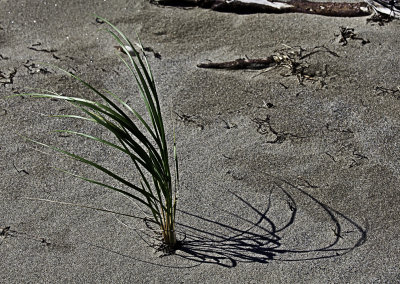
[159, 244]
[165, 249]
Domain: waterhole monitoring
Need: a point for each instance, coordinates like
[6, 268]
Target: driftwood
[241, 63]
[290, 58]
[333, 9]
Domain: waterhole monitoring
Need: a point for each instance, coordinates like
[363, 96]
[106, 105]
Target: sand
[284, 178]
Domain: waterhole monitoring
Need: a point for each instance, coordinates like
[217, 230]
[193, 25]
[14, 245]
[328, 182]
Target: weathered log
[333, 9]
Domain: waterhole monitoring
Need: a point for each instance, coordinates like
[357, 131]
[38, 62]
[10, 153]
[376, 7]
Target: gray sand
[309, 195]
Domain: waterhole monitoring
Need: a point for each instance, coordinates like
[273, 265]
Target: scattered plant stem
[348, 33]
[289, 57]
[241, 63]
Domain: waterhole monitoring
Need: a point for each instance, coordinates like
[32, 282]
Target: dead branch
[333, 9]
[292, 59]
[241, 63]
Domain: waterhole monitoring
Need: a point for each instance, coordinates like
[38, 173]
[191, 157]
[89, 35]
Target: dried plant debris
[131, 52]
[7, 77]
[99, 21]
[150, 49]
[339, 132]
[380, 19]
[294, 59]
[228, 125]
[348, 156]
[382, 91]
[4, 233]
[20, 170]
[2, 57]
[8, 232]
[242, 63]
[264, 127]
[356, 159]
[190, 119]
[291, 58]
[35, 69]
[34, 47]
[348, 33]
[304, 183]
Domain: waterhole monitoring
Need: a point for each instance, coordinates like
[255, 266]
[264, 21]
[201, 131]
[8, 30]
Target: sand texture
[288, 174]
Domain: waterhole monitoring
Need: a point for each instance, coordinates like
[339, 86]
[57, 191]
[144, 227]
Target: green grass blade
[88, 207]
[97, 166]
[141, 137]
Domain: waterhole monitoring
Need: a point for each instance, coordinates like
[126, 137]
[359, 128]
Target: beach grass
[141, 138]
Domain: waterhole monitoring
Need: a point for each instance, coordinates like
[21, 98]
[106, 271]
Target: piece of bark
[241, 63]
[333, 9]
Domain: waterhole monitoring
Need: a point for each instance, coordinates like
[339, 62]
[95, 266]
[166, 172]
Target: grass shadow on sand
[262, 241]
[293, 236]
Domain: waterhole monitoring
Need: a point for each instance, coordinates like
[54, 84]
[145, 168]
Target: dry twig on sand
[291, 58]
[242, 63]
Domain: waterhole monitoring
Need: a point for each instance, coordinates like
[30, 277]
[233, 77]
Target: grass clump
[140, 138]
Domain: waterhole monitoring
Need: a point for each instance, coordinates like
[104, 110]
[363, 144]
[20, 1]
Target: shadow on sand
[293, 236]
[262, 241]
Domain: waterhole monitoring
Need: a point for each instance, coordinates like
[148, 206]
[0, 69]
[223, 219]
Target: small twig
[324, 49]
[264, 126]
[20, 171]
[34, 69]
[7, 231]
[261, 128]
[348, 33]
[228, 125]
[132, 53]
[283, 85]
[308, 184]
[4, 57]
[387, 91]
[99, 21]
[8, 79]
[188, 119]
[330, 156]
[226, 157]
[43, 50]
[4, 233]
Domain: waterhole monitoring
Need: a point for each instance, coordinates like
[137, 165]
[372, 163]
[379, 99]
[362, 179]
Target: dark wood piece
[333, 9]
[241, 63]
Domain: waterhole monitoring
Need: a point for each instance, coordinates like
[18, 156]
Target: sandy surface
[282, 181]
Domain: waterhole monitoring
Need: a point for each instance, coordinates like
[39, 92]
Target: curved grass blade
[147, 149]
[88, 207]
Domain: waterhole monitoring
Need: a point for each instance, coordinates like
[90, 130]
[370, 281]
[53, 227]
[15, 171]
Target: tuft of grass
[140, 138]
